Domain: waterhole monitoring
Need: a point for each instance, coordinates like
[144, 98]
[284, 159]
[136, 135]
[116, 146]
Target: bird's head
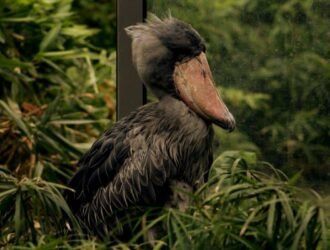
[169, 56]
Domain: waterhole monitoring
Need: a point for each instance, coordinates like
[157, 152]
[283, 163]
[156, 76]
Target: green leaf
[271, 218]
[18, 217]
[26, 19]
[12, 63]
[16, 118]
[2, 36]
[50, 37]
[79, 31]
[67, 55]
[78, 122]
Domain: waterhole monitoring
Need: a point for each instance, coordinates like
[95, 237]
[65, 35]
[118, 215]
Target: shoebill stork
[137, 162]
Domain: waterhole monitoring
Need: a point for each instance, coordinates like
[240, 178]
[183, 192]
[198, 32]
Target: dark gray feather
[158, 143]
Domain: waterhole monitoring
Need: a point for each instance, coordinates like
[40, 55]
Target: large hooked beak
[194, 83]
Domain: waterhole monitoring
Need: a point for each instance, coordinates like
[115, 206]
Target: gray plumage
[135, 163]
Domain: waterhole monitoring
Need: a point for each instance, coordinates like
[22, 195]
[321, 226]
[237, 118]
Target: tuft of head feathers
[159, 44]
[174, 34]
[150, 26]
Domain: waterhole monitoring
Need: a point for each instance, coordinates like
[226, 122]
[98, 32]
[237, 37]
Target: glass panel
[270, 61]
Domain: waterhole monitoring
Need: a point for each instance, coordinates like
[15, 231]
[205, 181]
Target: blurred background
[270, 60]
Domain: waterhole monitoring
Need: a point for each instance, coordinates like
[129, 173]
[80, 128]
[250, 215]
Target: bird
[138, 162]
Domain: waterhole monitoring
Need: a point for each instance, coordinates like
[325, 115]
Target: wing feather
[136, 182]
[131, 165]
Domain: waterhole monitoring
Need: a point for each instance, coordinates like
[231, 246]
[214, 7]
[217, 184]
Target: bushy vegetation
[243, 208]
[57, 91]
[271, 60]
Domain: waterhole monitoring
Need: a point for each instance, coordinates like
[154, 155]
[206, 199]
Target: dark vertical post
[130, 91]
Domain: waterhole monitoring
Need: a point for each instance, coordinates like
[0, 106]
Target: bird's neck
[177, 108]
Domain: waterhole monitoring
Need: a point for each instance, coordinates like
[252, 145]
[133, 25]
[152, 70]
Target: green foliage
[271, 59]
[28, 207]
[247, 204]
[57, 93]
[51, 101]
[242, 207]
[99, 14]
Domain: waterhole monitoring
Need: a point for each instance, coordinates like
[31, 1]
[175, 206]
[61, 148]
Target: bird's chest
[181, 142]
[196, 154]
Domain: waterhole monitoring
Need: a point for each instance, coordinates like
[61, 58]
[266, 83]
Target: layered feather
[135, 163]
